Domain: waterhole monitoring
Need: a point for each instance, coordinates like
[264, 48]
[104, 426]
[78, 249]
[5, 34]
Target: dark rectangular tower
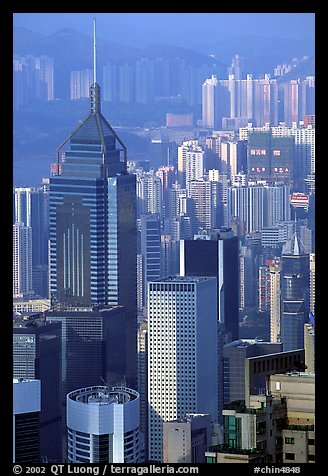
[93, 224]
[217, 257]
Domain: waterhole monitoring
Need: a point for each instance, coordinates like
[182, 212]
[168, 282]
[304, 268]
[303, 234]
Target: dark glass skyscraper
[37, 355]
[93, 223]
[217, 256]
[294, 293]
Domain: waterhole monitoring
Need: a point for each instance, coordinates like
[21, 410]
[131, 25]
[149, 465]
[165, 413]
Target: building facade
[182, 339]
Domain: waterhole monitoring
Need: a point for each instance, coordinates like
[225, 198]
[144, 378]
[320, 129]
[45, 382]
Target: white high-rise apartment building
[259, 206]
[208, 101]
[182, 352]
[22, 259]
[190, 162]
[202, 199]
[275, 302]
[149, 193]
[103, 425]
[80, 82]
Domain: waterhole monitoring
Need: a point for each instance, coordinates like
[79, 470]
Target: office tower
[26, 410]
[298, 435]
[149, 193]
[150, 236]
[80, 82]
[37, 355]
[259, 151]
[143, 381]
[93, 346]
[161, 151]
[276, 204]
[283, 159]
[182, 340]
[259, 367]
[295, 284]
[234, 355]
[93, 223]
[275, 301]
[139, 282]
[247, 204]
[22, 260]
[103, 425]
[186, 440]
[31, 208]
[216, 255]
[304, 147]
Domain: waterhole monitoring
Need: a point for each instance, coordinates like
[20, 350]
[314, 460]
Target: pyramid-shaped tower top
[95, 130]
[294, 246]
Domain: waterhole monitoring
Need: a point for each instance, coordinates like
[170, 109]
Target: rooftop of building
[188, 417]
[182, 279]
[103, 395]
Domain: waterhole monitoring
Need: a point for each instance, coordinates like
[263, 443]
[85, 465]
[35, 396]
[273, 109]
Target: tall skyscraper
[31, 208]
[182, 353]
[216, 255]
[93, 346]
[150, 237]
[93, 223]
[295, 284]
[275, 301]
[22, 259]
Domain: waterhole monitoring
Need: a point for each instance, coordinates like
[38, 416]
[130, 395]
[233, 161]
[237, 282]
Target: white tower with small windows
[182, 353]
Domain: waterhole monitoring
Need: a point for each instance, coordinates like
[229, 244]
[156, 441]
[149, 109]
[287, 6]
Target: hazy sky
[180, 29]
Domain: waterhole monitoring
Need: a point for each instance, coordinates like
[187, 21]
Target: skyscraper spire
[94, 88]
[94, 53]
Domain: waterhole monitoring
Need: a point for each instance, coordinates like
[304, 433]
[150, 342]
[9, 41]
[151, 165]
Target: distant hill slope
[262, 54]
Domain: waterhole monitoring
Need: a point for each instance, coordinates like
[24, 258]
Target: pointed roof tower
[111, 156]
[294, 245]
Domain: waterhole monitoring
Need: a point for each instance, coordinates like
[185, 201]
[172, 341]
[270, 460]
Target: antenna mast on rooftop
[94, 53]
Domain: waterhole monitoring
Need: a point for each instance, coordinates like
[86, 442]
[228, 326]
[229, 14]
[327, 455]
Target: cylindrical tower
[103, 425]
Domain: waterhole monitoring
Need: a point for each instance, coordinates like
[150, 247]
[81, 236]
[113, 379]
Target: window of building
[289, 440]
[290, 456]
